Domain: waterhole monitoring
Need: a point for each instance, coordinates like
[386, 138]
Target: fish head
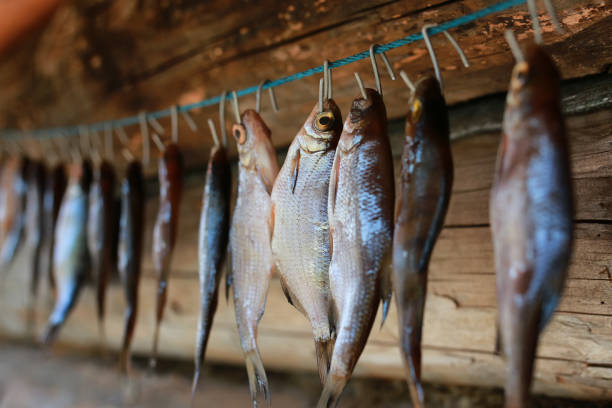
[535, 82]
[322, 129]
[367, 119]
[427, 113]
[255, 149]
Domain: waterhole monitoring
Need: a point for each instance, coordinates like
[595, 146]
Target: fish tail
[102, 334]
[324, 349]
[520, 362]
[194, 385]
[124, 361]
[386, 292]
[411, 325]
[258, 382]
[50, 333]
[153, 359]
[332, 390]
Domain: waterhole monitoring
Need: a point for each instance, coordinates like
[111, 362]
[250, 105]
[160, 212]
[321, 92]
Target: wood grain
[101, 60]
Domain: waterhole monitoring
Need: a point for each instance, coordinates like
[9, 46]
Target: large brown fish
[164, 232]
[100, 232]
[250, 252]
[425, 187]
[531, 211]
[54, 192]
[212, 245]
[131, 231]
[12, 211]
[35, 219]
[300, 239]
[70, 254]
[361, 195]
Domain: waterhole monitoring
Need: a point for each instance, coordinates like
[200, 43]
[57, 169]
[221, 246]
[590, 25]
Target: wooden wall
[575, 353]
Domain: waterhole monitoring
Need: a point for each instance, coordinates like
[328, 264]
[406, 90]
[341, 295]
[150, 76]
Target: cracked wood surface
[100, 60]
[575, 353]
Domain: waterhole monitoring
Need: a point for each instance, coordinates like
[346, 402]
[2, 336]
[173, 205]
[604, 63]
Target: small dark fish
[100, 232]
[250, 233]
[13, 209]
[70, 254]
[300, 238]
[212, 245]
[531, 212]
[35, 219]
[424, 193]
[164, 232]
[55, 188]
[130, 251]
[361, 195]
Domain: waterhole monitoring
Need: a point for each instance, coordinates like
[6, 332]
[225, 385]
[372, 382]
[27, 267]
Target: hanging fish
[100, 232]
[250, 252]
[70, 254]
[34, 219]
[164, 232]
[361, 194]
[300, 239]
[14, 208]
[130, 251]
[212, 245]
[55, 187]
[425, 187]
[531, 212]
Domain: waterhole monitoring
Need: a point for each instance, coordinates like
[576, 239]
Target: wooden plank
[117, 58]
[574, 354]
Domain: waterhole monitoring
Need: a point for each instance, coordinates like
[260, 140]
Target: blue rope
[133, 120]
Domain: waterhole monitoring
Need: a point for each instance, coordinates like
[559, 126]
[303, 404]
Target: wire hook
[258, 96]
[174, 123]
[144, 132]
[432, 53]
[108, 141]
[156, 125]
[361, 88]
[375, 67]
[514, 46]
[190, 122]
[407, 81]
[236, 107]
[213, 131]
[321, 90]
[533, 11]
[222, 118]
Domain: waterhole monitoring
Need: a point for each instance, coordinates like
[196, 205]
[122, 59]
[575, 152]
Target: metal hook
[213, 131]
[533, 11]
[407, 81]
[144, 132]
[94, 146]
[190, 122]
[155, 125]
[361, 88]
[222, 118]
[514, 46]
[158, 142]
[236, 107]
[124, 139]
[174, 123]
[258, 96]
[375, 66]
[108, 141]
[326, 79]
[432, 53]
[321, 90]
[83, 139]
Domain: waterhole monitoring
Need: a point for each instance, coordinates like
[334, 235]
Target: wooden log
[103, 60]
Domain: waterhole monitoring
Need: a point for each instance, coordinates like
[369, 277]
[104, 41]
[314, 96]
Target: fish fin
[286, 291]
[411, 320]
[386, 289]
[498, 341]
[258, 382]
[229, 280]
[270, 220]
[50, 334]
[334, 385]
[295, 170]
[333, 187]
[324, 351]
[398, 207]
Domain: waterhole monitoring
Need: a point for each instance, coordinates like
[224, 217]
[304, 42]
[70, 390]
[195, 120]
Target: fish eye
[522, 72]
[239, 133]
[324, 121]
[417, 109]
